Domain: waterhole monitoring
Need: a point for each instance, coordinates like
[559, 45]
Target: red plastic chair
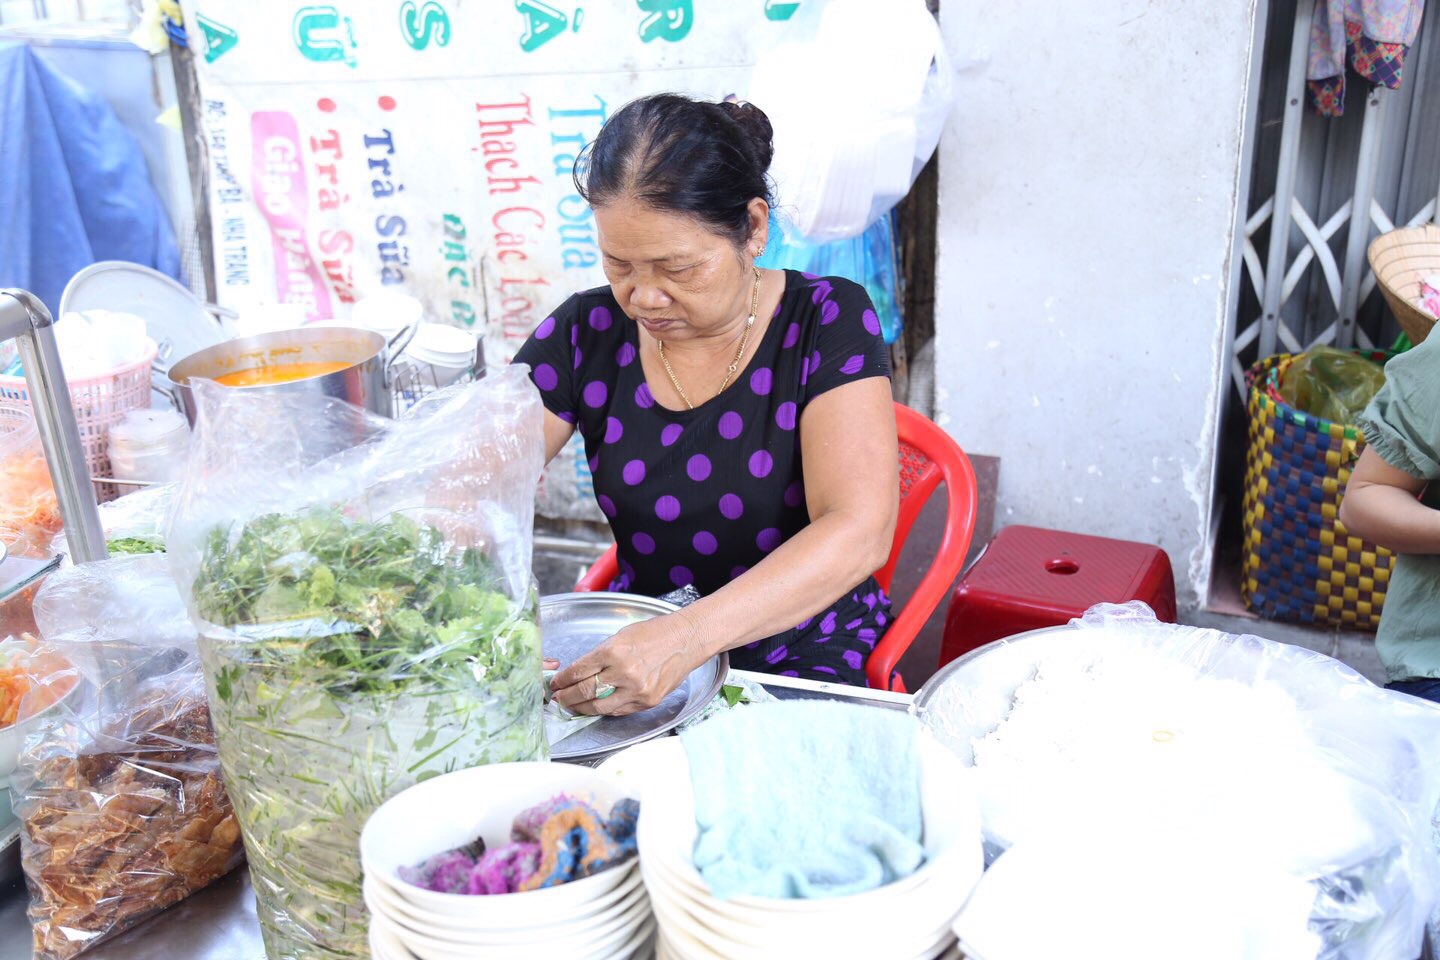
[928, 456]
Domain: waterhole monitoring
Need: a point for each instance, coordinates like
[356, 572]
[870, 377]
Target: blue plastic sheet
[868, 259]
[74, 187]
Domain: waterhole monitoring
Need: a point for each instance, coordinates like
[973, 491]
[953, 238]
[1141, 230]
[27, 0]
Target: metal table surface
[219, 923]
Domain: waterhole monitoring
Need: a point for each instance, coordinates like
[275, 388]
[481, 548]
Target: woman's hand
[644, 663]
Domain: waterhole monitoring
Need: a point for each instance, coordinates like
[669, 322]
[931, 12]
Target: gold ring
[603, 689]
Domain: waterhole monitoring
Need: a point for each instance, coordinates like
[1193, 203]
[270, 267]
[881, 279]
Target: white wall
[1090, 181]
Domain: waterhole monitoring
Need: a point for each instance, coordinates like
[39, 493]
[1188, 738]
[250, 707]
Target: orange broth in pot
[279, 373]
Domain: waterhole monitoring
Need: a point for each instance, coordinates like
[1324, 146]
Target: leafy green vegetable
[349, 660]
[134, 545]
[733, 694]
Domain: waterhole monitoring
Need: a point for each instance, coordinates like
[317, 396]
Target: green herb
[347, 661]
[734, 694]
[390, 601]
[134, 545]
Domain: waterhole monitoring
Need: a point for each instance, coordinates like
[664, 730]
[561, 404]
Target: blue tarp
[74, 187]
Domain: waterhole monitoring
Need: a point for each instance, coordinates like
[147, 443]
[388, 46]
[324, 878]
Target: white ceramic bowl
[447, 937]
[384, 900]
[384, 945]
[636, 947]
[698, 925]
[451, 810]
[914, 933]
[634, 766]
[952, 838]
[634, 925]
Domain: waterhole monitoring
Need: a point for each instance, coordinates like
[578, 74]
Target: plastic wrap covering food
[1289, 762]
[134, 523]
[364, 597]
[29, 512]
[119, 790]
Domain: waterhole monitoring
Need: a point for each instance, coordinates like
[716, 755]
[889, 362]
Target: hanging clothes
[1373, 36]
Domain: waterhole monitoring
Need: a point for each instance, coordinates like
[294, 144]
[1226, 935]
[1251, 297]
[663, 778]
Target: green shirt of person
[1393, 499]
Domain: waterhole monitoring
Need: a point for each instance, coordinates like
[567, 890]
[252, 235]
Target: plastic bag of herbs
[363, 593]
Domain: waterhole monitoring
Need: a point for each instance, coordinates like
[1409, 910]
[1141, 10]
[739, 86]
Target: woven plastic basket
[98, 402]
[1401, 259]
[1301, 564]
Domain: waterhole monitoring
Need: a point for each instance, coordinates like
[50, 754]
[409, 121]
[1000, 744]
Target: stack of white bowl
[910, 918]
[602, 917]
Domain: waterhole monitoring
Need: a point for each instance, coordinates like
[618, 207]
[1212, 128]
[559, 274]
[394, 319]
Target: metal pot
[365, 382]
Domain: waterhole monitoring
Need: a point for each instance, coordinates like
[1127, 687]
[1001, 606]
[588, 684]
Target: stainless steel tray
[573, 624]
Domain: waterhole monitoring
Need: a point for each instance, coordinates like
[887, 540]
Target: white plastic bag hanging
[858, 93]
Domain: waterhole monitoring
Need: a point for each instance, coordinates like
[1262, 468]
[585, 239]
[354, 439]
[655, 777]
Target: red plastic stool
[1029, 578]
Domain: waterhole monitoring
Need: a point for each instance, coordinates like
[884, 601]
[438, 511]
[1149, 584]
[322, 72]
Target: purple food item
[447, 872]
[504, 869]
[552, 843]
[576, 841]
[528, 823]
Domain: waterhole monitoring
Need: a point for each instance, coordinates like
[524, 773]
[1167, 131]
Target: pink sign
[278, 181]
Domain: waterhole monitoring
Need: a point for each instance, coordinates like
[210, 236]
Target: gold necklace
[734, 364]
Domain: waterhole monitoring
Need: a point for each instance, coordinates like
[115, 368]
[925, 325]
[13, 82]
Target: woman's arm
[850, 458]
[557, 434]
[1381, 505]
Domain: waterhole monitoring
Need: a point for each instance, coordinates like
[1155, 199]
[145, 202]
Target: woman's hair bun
[700, 158]
[756, 125]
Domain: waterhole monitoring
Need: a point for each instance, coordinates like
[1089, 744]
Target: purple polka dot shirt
[700, 496]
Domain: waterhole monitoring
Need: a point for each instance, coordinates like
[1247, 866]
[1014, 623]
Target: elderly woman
[738, 421]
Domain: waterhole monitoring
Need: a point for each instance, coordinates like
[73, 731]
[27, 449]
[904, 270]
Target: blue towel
[805, 799]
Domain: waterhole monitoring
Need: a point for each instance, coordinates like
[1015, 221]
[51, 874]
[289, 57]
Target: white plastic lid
[148, 427]
[386, 312]
[439, 343]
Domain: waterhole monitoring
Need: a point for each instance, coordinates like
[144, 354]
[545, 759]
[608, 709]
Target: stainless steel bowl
[364, 382]
[573, 624]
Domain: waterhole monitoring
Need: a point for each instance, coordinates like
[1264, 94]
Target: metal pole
[1359, 236]
[24, 319]
[1279, 253]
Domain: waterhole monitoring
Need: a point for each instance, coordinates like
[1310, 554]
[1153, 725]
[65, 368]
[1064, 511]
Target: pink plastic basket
[98, 402]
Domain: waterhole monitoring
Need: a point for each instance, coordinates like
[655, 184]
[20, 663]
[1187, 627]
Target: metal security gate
[1309, 281]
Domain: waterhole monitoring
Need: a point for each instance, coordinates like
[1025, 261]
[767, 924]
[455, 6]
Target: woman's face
[673, 275]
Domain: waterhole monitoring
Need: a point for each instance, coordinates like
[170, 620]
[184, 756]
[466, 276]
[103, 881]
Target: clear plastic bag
[118, 789]
[29, 512]
[363, 592]
[868, 259]
[843, 159]
[1292, 763]
[1334, 385]
[134, 523]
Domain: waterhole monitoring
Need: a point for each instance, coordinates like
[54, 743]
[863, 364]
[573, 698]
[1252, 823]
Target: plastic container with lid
[386, 312]
[441, 352]
[150, 446]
